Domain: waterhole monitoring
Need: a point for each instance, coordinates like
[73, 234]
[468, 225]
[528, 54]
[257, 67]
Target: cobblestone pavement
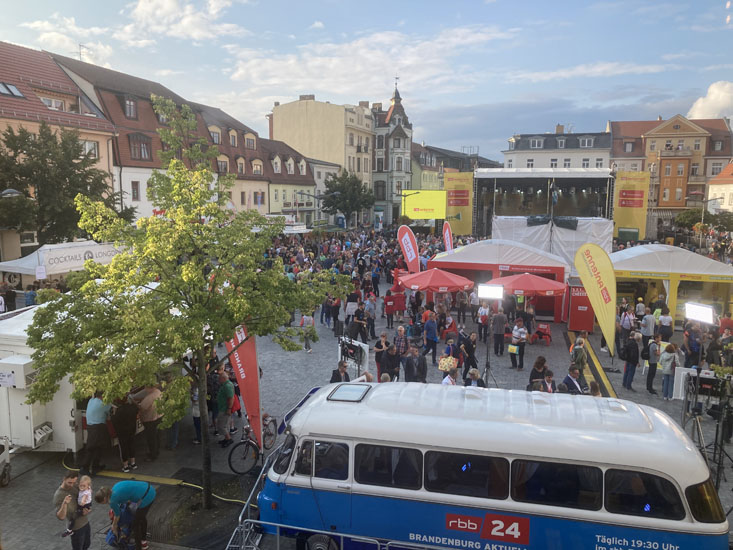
[26, 515]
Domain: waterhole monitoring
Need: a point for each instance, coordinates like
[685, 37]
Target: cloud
[167, 72]
[680, 55]
[346, 68]
[63, 35]
[588, 70]
[317, 25]
[718, 102]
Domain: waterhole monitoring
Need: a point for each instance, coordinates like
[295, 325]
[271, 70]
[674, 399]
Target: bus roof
[515, 422]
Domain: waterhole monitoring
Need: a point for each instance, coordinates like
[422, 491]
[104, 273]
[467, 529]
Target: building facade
[391, 159]
[559, 150]
[339, 134]
[292, 187]
[34, 90]
[681, 156]
[425, 169]
[721, 188]
[322, 171]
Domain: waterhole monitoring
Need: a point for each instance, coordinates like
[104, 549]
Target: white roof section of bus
[498, 251]
[662, 258]
[514, 422]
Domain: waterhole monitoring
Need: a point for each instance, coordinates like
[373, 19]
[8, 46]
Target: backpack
[622, 353]
[645, 351]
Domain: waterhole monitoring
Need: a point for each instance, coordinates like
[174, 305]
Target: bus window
[641, 494]
[704, 502]
[467, 475]
[332, 460]
[555, 484]
[304, 464]
[286, 452]
[388, 466]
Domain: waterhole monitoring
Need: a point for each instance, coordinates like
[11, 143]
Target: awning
[61, 258]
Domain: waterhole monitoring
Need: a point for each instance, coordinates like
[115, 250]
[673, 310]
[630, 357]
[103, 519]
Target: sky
[471, 73]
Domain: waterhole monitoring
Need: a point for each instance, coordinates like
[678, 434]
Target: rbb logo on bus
[492, 527]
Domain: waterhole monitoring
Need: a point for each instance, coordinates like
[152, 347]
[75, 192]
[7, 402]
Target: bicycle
[243, 456]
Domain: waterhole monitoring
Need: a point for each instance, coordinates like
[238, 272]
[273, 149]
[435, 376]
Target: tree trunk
[205, 437]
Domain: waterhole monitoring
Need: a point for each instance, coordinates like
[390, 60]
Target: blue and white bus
[452, 467]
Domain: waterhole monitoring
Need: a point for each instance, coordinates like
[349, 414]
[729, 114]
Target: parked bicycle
[243, 456]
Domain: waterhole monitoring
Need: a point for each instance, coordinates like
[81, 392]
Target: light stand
[489, 292]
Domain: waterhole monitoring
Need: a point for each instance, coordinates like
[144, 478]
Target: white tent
[662, 258]
[61, 258]
[512, 255]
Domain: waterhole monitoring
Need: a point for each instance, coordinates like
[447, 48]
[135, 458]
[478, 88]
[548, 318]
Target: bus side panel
[452, 526]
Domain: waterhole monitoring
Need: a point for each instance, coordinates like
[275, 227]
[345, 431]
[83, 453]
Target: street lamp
[318, 198]
[403, 196]
[490, 292]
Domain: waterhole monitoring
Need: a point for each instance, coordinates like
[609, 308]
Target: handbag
[513, 349]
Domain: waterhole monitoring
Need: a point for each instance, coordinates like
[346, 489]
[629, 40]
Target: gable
[684, 126]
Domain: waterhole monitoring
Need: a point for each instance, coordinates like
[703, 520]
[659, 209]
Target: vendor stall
[680, 275]
[494, 258]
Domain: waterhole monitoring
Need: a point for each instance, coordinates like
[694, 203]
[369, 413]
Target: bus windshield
[704, 503]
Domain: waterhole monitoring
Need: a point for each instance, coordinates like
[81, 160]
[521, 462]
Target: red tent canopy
[435, 280]
[526, 284]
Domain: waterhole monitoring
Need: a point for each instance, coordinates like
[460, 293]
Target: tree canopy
[50, 168]
[184, 281]
[347, 194]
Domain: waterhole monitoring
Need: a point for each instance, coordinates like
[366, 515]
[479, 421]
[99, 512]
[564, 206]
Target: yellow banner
[599, 279]
[424, 205]
[459, 201]
[630, 200]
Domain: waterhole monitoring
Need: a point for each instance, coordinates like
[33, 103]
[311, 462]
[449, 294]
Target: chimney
[660, 118]
[277, 104]
[364, 104]
[376, 106]
[305, 97]
[559, 129]
[269, 122]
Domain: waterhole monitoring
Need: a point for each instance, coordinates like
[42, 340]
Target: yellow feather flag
[599, 279]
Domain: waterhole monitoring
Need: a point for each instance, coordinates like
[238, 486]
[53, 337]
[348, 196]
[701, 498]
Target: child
[83, 502]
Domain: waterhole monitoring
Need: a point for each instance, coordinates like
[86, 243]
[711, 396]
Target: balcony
[696, 179]
[674, 152]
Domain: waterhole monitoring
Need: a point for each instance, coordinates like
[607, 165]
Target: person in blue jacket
[141, 495]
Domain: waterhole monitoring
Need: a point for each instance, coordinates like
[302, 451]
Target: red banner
[408, 244]
[447, 236]
[244, 362]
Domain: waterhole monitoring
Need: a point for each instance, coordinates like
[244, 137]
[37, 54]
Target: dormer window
[140, 147]
[290, 166]
[561, 143]
[628, 146]
[718, 146]
[257, 167]
[53, 104]
[216, 137]
[232, 139]
[511, 145]
[130, 108]
[586, 142]
[9, 89]
[240, 167]
[249, 141]
[276, 165]
[301, 168]
[535, 143]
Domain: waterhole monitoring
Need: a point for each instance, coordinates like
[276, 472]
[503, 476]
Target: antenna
[396, 78]
[82, 47]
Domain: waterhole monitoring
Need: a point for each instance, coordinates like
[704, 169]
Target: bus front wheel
[321, 542]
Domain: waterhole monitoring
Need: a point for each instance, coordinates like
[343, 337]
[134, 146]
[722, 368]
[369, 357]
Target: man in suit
[340, 374]
[572, 381]
[416, 366]
[549, 382]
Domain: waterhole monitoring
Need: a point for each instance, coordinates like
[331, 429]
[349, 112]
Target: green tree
[184, 281]
[347, 194]
[723, 221]
[50, 168]
[689, 218]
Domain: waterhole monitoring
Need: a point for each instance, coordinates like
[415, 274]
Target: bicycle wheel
[243, 457]
[269, 434]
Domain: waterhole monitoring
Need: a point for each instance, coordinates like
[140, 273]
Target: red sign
[457, 202]
[631, 193]
[578, 291]
[447, 237]
[455, 193]
[506, 528]
[468, 524]
[408, 244]
[631, 203]
[244, 362]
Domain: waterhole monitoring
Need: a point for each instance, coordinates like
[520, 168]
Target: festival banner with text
[408, 244]
[244, 362]
[630, 199]
[599, 280]
[459, 201]
[447, 236]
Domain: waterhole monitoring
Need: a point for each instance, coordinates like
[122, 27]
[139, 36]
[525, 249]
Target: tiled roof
[115, 81]
[217, 117]
[725, 177]
[633, 130]
[29, 69]
[272, 147]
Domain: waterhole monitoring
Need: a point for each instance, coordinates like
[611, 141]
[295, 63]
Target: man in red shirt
[726, 322]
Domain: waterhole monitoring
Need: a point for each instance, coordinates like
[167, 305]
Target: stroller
[414, 334]
[123, 541]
